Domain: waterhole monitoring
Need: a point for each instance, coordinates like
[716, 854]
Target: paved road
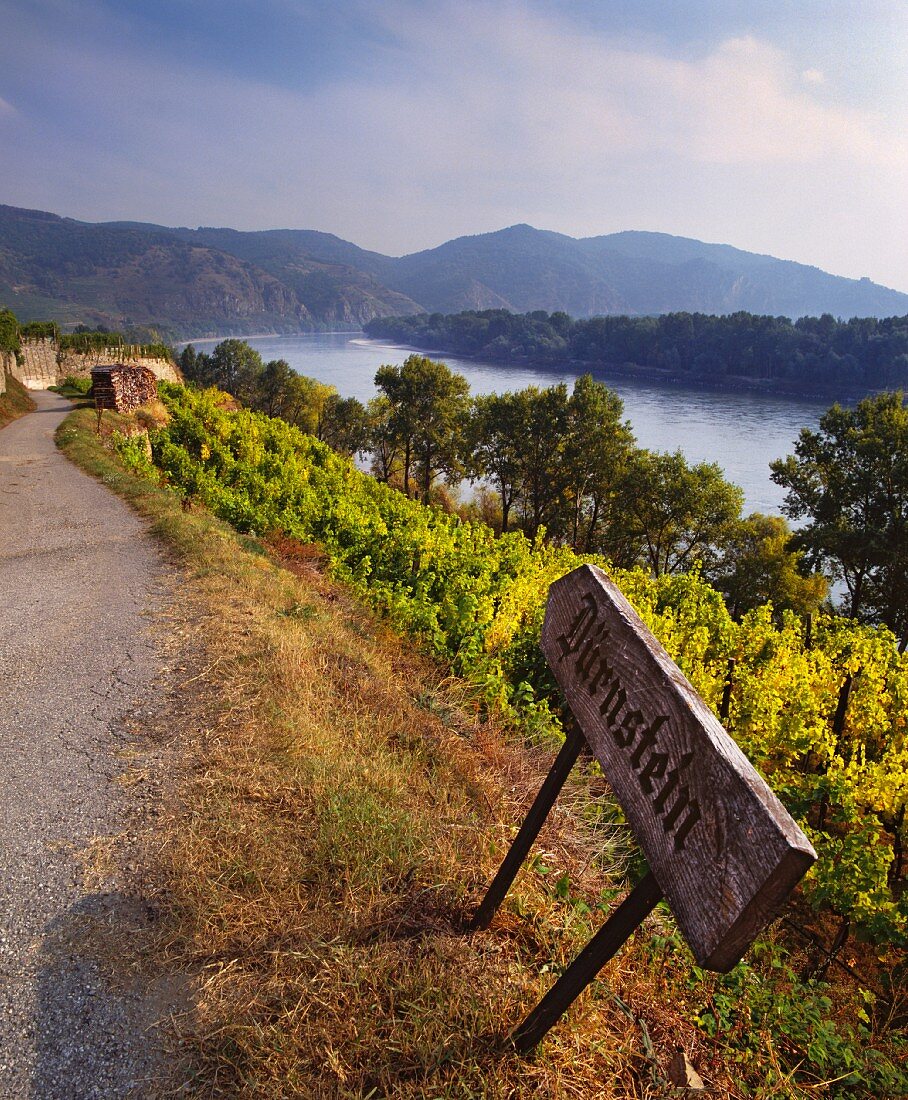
[78, 577]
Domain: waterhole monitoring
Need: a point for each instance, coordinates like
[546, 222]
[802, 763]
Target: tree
[544, 420]
[9, 331]
[345, 425]
[441, 406]
[382, 440]
[274, 389]
[397, 425]
[760, 566]
[235, 367]
[597, 448]
[494, 433]
[674, 515]
[195, 366]
[556, 458]
[428, 405]
[307, 399]
[850, 477]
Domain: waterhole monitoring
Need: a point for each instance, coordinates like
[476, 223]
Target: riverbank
[632, 372]
[347, 805]
[323, 873]
[812, 356]
[743, 432]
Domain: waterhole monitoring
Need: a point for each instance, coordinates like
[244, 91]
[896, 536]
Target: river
[743, 432]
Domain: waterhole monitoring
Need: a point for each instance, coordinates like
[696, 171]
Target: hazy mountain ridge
[634, 272]
[213, 281]
[135, 275]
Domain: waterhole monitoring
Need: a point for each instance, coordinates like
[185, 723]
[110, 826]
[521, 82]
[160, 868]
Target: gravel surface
[79, 578]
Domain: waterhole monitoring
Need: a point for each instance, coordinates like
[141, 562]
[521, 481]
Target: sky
[777, 127]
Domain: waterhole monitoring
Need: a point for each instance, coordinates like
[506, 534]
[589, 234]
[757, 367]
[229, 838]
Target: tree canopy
[542, 459]
[809, 353]
[759, 565]
[428, 405]
[675, 515]
[849, 479]
[9, 331]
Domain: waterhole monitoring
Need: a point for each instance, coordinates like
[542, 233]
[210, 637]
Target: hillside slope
[722, 279]
[127, 275]
[350, 804]
[524, 269]
[338, 282]
[14, 400]
[218, 281]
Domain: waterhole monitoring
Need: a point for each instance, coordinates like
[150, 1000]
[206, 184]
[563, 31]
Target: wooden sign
[721, 846]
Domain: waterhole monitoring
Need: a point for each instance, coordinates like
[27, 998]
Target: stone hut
[122, 386]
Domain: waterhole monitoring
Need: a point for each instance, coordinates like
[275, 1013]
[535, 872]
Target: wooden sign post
[720, 846]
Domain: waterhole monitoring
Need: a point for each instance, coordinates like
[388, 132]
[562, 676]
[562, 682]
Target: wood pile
[123, 386]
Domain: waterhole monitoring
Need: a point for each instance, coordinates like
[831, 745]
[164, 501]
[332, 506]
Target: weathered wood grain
[722, 847]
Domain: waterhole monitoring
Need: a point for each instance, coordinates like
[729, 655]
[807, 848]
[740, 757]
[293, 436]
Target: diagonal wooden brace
[616, 931]
[529, 830]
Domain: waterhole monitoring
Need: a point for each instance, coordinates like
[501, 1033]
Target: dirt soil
[82, 664]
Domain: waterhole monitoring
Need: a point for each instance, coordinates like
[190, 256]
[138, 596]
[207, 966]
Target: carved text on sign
[720, 844]
[586, 642]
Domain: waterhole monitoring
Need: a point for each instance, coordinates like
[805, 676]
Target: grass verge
[345, 809]
[15, 402]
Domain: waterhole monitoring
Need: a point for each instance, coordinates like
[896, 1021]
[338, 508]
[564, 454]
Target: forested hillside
[813, 354]
[139, 277]
[217, 281]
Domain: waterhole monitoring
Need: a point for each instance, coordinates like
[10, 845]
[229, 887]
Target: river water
[742, 432]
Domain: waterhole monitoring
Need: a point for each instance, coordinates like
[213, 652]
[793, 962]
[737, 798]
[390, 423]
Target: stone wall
[7, 362]
[40, 366]
[80, 364]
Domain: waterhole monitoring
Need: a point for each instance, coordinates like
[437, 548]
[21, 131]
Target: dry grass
[349, 815]
[15, 402]
[345, 808]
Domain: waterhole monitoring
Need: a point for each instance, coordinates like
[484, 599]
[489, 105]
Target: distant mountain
[133, 275]
[335, 279]
[520, 269]
[636, 273]
[721, 279]
[214, 281]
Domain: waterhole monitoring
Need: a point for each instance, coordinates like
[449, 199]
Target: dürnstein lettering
[660, 779]
[723, 849]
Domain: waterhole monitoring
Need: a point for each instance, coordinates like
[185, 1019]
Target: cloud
[585, 96]
[813, 76]
[6, 108]
[461, 117]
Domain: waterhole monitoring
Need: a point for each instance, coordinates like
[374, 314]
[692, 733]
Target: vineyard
[88, 343]
[819, 706]
[82, 343]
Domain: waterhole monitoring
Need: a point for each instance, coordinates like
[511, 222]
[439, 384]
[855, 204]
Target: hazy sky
[779, 127]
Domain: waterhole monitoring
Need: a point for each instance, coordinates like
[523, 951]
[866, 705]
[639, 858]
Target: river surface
[742, 432]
